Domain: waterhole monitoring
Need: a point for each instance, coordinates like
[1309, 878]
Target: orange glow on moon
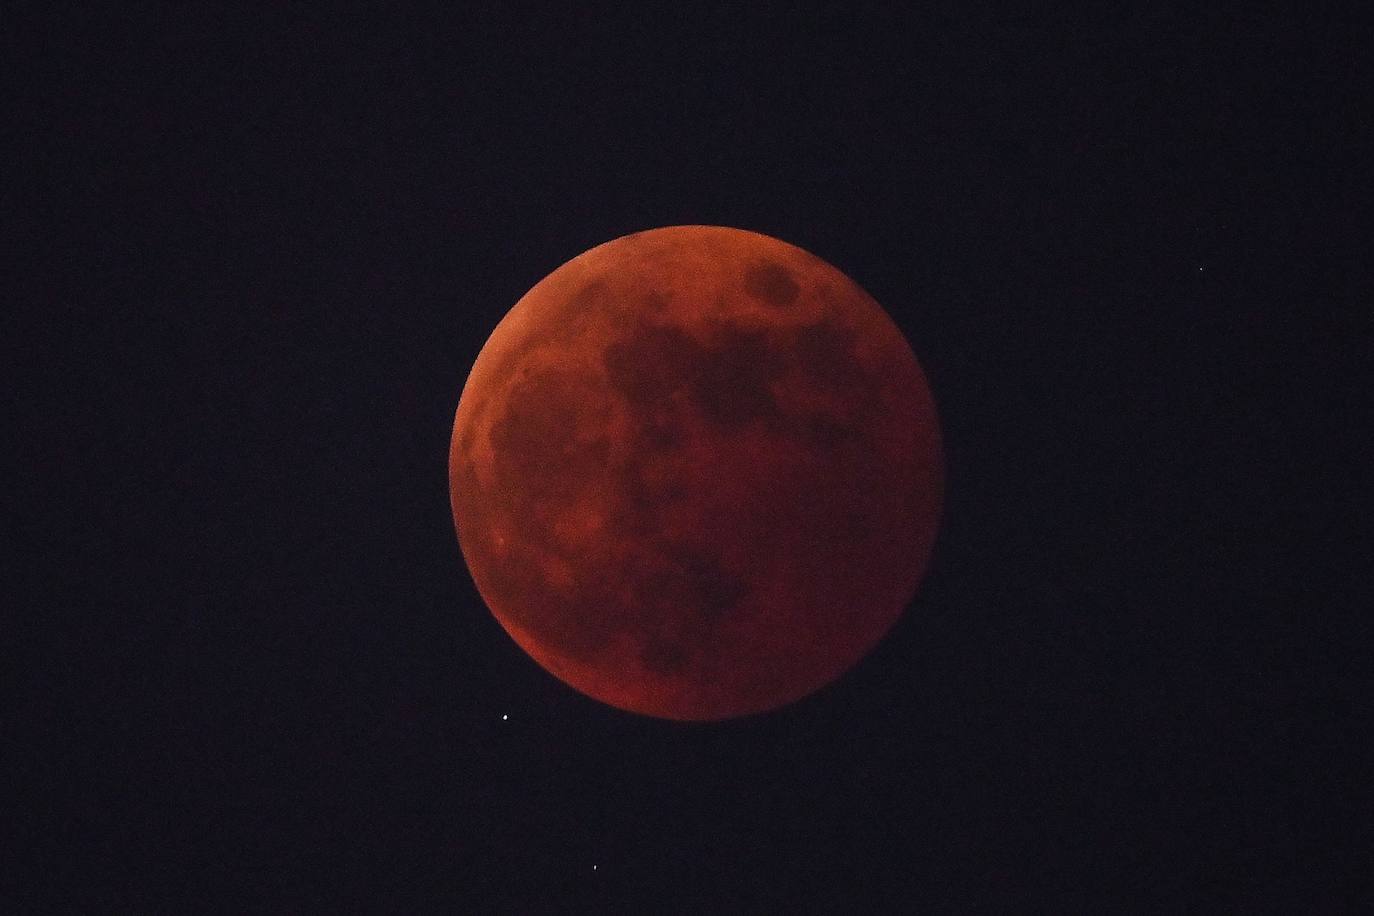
[696, 473]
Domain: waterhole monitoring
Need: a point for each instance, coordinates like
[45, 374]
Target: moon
[696, 473]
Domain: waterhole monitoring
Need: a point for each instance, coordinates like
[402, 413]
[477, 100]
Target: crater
[772, 283]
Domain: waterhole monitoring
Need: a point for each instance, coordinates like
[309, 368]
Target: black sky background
[258, 252]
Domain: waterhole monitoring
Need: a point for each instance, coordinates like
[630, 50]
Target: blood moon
[696, 472]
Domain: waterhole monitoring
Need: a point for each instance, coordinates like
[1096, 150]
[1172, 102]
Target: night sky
[257, 254]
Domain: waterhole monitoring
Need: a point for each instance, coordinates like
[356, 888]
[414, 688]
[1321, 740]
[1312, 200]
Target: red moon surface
[696, 473]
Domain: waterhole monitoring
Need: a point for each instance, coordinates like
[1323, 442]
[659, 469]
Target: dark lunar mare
[685, 589]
